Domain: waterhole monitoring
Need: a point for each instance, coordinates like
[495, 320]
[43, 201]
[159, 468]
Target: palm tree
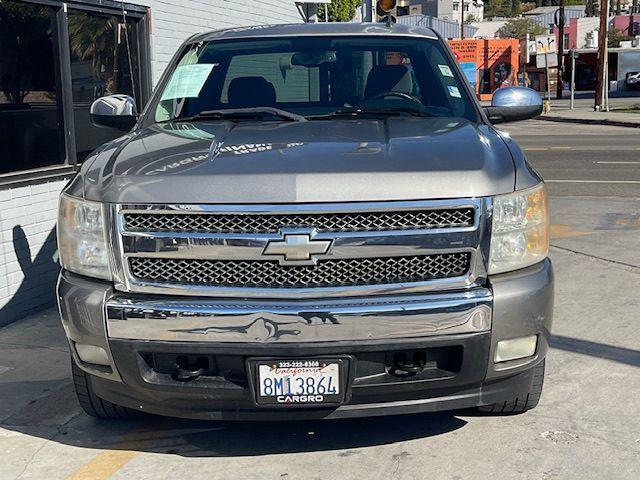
[95, 37]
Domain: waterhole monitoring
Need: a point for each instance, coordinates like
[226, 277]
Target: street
[587, 425]
[585, 160]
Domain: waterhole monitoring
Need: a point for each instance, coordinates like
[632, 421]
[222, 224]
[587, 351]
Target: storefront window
[104, 61]
[30, 109]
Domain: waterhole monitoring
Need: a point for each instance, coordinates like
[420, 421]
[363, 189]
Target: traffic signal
[385, 9]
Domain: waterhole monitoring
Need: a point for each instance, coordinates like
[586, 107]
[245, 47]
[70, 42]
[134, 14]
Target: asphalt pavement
[587, 425]
[585, 160]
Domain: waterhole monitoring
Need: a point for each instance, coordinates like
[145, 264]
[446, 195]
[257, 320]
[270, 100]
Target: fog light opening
[92, 354]
[515, 348]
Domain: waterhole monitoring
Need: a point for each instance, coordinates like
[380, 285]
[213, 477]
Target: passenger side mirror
[511, 104]
[114, 111]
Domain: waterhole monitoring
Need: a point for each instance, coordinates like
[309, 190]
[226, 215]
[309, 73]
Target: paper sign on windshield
[187, 81]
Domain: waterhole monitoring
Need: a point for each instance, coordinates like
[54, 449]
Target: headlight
[81, 238]
[520, 231]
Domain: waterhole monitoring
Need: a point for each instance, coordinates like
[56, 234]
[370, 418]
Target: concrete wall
[28, 252]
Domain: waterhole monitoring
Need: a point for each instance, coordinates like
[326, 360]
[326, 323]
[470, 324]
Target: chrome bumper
[300, 321]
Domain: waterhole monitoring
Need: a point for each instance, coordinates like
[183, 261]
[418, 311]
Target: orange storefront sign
[488, 64]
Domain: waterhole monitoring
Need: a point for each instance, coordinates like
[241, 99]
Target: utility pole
[461, 19]
[560, 22]
[603, 53]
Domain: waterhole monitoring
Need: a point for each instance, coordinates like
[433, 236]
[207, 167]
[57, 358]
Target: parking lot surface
[587, 425]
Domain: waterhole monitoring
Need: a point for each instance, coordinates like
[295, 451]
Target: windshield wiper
[243, 113]
[357, 112]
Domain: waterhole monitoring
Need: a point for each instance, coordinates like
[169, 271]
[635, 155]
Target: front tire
[91, 403]
[520, 405]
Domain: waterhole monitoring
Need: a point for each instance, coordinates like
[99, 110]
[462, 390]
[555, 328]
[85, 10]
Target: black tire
[520, 405]
[94, 405]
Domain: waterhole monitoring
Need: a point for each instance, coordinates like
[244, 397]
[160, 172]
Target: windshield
[314, 77]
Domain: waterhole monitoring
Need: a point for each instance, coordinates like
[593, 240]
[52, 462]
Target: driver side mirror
[114, 111]
[511, 104]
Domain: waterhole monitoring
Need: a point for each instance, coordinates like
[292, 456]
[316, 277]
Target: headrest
[251, 92]
[388, 78]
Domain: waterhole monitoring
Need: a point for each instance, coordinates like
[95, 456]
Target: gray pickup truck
[307, 221]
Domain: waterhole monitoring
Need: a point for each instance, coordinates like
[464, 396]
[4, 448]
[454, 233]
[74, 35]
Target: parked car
[633, 80]
[308, 221]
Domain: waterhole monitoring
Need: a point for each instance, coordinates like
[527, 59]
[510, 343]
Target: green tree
[339, 10]
[497, 8]
[502, 8]
[615, 36]
[519, 27]
[471, 18]
[94, 38]
[516, 8]
[592, 8]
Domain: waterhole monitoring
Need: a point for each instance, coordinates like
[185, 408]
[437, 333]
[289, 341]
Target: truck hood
[289, 162]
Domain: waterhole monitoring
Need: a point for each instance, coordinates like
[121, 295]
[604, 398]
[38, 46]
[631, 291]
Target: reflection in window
[104, 61]
[30, 114]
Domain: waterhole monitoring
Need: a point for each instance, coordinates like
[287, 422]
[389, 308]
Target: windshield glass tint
[316, 76]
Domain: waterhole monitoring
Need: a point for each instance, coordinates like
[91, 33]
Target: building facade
[469, 10]
[55, 59]
[453, 10]
[577, 32]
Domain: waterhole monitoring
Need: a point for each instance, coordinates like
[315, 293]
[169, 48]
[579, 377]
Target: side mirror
[114, 111]
[514, 103]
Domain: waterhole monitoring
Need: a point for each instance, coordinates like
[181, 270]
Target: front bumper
[457, 330]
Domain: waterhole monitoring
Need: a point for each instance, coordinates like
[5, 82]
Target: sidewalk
[583, 111]
[587, 115]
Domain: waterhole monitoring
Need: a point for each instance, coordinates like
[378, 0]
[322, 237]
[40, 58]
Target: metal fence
[446, 28]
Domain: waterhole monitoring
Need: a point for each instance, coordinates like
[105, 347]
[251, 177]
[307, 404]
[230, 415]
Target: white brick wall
[28, 261]
[172, 21]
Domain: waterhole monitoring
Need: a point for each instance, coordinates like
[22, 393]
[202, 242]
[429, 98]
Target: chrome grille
[322, 222]
[326, 273]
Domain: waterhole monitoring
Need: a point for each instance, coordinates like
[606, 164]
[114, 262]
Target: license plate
[296, 382]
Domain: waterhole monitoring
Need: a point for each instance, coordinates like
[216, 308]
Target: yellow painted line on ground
[103, 465]
[560, 148]
[560, 230]
[106, 463]
[535, 149]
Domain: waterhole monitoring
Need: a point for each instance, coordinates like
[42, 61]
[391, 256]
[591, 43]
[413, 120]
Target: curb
[589, 121]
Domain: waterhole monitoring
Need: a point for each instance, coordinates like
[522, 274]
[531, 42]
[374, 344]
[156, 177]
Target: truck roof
[311, 29]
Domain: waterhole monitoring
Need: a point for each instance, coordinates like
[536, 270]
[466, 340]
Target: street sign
[546, 44]
[552, 60]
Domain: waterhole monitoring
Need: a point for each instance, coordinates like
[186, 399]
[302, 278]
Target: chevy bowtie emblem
[297, 248]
